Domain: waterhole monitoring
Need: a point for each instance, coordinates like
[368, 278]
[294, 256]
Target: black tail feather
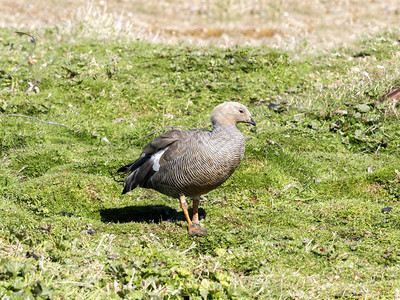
[135, 179]
[136, 164]
[125, 190]
[124, 169]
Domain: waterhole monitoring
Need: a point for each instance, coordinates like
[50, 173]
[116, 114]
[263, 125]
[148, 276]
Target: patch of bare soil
[318, 24]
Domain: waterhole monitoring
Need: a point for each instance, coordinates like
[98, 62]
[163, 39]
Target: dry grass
[288, 24]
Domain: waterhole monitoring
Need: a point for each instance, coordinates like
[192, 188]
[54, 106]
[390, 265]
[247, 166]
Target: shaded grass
[301, 217]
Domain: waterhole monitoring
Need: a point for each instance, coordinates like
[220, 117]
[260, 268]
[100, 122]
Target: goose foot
[196, 230]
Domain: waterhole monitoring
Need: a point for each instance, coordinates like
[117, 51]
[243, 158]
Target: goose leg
[184, 207]
[193, 229]
[195, 218]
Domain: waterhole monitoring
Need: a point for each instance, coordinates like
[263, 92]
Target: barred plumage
[192, 163]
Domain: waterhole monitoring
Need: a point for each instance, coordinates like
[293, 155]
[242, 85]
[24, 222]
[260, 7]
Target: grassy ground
[312, 212]
[282, 24]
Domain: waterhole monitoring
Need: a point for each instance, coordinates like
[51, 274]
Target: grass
[301, 217]
[305, 26]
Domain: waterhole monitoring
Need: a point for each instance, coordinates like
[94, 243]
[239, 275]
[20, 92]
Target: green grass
[301, 218]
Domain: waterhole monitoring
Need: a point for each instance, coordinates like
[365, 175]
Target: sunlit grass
[301, 217]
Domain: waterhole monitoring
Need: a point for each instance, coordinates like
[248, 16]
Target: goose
[191, 163]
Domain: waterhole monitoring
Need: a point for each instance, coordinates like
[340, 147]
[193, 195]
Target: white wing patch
[155, 159]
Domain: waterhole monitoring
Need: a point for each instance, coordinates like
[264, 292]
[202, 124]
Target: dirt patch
[285, 23]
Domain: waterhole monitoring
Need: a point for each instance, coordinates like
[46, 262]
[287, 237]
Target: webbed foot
[197, 230]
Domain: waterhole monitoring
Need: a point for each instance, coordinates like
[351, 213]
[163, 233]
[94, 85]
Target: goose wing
[155, 154]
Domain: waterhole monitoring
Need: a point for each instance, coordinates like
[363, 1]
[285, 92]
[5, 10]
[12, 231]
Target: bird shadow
[144, 214]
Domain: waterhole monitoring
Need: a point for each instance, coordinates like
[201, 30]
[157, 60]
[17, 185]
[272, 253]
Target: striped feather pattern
[189, 163]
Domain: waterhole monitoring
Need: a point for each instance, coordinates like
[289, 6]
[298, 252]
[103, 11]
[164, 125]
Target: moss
[302, 215]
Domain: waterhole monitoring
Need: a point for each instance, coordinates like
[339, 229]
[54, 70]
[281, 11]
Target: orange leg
[193, 229]
[185, 207]
[195, 218]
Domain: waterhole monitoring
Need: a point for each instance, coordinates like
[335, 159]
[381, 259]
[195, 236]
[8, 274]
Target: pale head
[231, 113]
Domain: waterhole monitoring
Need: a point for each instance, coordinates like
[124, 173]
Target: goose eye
[241, 111]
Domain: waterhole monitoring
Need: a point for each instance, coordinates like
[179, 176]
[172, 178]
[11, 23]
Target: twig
[51, 238]
[393, 94]
[36, 119]
[78, 283]
[100, 243]
[308, 244]
[26, 58]
[274, 143]
[377, 149]
[153, 132]
[94, 198]
[131, 280]
[23, 168]
[193, 245]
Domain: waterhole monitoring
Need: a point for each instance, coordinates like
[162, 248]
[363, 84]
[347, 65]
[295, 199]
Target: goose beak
[251, 121]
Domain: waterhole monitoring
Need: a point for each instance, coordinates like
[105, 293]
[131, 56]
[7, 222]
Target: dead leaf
[393, 95]
[32, 61]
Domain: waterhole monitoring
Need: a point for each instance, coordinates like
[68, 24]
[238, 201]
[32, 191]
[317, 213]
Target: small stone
[362, 108]
[313, 125]
[358, 133]
[273, 105]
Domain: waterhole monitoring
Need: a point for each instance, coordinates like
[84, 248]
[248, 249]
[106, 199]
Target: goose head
[231, 113]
